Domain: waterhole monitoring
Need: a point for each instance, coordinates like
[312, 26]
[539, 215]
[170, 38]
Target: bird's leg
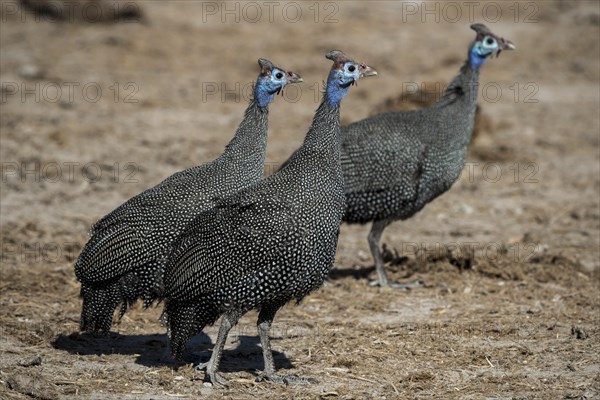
[265, 319]
[166, 357]
[227, 322]
[374, 238]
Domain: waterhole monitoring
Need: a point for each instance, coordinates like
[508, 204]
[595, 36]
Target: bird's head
[271, 81]
[486, 44]
[344, 73]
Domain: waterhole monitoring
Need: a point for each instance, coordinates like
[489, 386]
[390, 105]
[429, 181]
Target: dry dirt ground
[96, 108]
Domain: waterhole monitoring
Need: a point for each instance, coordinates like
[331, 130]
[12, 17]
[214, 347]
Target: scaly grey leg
[374, 238]
[265, 319]
[212, 366]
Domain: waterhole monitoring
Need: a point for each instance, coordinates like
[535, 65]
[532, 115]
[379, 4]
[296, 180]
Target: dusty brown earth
[509, 256]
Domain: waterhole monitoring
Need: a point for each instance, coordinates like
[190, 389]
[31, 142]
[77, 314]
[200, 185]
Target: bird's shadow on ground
[356, 271]
[150, 350]
[245, 356]
[363, 272]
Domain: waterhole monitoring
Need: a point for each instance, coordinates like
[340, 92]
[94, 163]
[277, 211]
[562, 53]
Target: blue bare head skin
[486, 44]
[344, 73]
[271, 82]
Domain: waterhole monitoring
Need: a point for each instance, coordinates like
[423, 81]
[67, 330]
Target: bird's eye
[352, 68]
[279, 75]
[489, 41]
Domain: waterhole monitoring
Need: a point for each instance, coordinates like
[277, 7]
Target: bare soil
[509, 256]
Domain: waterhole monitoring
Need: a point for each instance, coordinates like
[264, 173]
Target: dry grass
[511, 297]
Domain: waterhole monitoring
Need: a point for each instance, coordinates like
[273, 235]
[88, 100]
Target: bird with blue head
[123, 259]
[266, 245]
[486, 44]
[395, 163]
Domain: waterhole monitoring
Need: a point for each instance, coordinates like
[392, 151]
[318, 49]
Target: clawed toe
[212, 376]
[375, 282]
[216, 379]
[201, 366]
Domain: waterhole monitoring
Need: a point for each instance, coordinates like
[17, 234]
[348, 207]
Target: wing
[234, 241]
[381, 153]
[109, 255]
[160, 201]
[141, 229]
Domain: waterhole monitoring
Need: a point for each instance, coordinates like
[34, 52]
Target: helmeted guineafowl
[395, 163]
[267, 244]
[122, 261]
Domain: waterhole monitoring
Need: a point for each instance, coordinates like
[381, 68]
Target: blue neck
[476, 58]
[263, 94]
[334, 92]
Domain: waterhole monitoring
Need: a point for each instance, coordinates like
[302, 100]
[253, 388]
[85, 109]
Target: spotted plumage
[395, 163]
[268, 244]
[123, 259]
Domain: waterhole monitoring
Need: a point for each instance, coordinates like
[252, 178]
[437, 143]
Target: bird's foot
[284, 379]
[202, 366]
[211, 375]
[397, 285]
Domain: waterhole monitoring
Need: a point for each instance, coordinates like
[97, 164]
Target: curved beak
[293, 77]
[505, 45]
[365, 70]
[508, 45]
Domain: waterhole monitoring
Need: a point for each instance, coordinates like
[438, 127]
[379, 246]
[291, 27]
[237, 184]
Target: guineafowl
[268, 244]
[122, 261]
[395, 163]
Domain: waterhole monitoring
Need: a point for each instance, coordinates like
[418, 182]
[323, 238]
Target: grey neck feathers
[250, 139]
[321, 146]
[455, 111]
[462, 87]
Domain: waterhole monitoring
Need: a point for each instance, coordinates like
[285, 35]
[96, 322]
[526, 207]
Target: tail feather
[101, 300]
[186, 319]
[111, 255]
[99, 306]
